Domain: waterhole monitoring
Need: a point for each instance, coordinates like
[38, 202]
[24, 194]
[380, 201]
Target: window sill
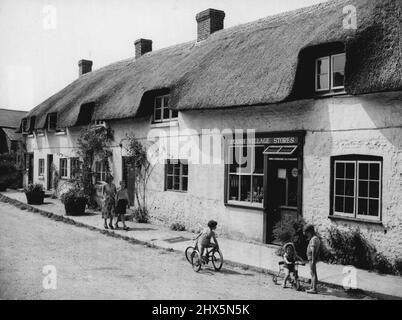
[60, 133]
[377, 222]
[173, 123]
[328, 94]
[179, 191]
[41, 178]
[30, 135]
[238, 204]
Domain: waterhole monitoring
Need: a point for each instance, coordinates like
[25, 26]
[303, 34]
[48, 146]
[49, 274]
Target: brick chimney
[84, 66]
[208, 22]
[142, 46]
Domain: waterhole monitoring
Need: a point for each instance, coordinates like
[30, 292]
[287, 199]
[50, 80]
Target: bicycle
[212, 254]
[294, 281]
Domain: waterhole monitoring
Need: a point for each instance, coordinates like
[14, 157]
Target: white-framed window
[41, 167]
[63, 167]
[100, 171]
[245, 181]
[330, 72]
[99, 123]
[176, 175]
[51, 122]
[357, 189]
[162, 112]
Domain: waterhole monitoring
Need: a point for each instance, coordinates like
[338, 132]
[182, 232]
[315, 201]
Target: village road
[91, 265]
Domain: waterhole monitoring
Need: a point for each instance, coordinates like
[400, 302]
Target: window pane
[323, 66]
[340, 170]
[185, 169]
[374, 171]
[339, 201]
[157, 102]
[184, 182]
[350, 170]
[176, 182]
[166, 113]
[338, 67]
[363, 189]
[234, 187]
[374, 189]
[259, 160]
[373, 207]
[234, 156]
[158, 114]
[176, 169]
[166, 102]
[338, 79]
[322, 82]
[175, 113]
[170, 169]
[340, 187]
[169, 184]
[349, 205]
[246, 159]
[349, 188]
[363, 206]
[245, 187]
[258, 190]
[363, 171]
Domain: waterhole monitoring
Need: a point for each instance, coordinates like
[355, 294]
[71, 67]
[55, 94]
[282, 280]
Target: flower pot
[75, 206]
[35, 197]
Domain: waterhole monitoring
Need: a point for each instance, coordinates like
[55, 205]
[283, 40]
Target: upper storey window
[51, 121]
[330, 73]
[162, 112]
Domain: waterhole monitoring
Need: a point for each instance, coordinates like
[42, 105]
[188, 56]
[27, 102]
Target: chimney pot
[142, 46]
[208, 22]
[84, 66]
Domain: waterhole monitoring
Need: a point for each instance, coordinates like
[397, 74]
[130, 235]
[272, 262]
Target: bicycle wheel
[196, 261]
[189, 252]
[217, 259]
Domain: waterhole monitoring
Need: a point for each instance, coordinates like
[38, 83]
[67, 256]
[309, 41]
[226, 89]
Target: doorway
[29, 162]
[283, 192]
[129, 179]
[49, 172]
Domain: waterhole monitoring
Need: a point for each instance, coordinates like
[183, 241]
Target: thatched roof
[250, 64]
[11, 118]
[11, 134]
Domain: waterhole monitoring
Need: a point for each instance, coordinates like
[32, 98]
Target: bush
[381, 264]
[177, 227]
[74, 201]
[33, 188]
[141, 215]
[398, 266]
[290, 230]
[11, 176]
[34, 193]
[350, 248]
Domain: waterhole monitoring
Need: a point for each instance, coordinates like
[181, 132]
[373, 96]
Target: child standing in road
[312, 255]
[122, 202]
[290, 257]
[204, 238]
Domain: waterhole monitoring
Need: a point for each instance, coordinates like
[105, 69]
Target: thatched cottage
[320, 87]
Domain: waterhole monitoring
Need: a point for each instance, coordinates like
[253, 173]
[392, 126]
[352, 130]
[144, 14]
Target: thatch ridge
[254, 63]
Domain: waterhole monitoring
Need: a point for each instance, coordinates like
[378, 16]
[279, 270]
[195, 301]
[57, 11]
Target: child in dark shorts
[290, 257]
[122, 203]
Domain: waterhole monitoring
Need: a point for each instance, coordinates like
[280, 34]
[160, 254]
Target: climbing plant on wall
[93, 143]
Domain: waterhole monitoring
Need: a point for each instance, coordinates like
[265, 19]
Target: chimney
[142, 46]
[208, 22]
[84, 66]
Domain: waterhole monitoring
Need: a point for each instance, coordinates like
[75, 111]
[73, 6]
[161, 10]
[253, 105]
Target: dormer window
[24, 125]
[51, 122]
[162, 113]
[330, 73]
[99, 123]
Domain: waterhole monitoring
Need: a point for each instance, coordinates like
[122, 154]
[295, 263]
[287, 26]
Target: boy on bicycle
[204, 238]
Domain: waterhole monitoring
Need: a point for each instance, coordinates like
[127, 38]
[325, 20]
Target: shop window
[245, 175]
[330, 73]
[63, 168]
[162, 112]
[41, 167]
[75, 168]
[176, 175]
[356, 189]
[100, 171]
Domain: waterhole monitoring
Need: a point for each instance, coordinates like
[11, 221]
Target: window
[100, 171]
[41, 167]
[75, 168]
[330, 73]
[357, 187]
[245, 175]
[99, 123]
[176, 175]
[161, 109]
[63, 168]
[52, 121]
[24, 125]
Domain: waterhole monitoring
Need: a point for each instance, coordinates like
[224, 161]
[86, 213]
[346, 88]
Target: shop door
[129, 179]
[49, 172]
[283, 192]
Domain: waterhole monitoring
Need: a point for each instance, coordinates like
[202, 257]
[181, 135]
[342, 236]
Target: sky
[43, 40]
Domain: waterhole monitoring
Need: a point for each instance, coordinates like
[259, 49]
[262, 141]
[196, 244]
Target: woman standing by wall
[109, 200]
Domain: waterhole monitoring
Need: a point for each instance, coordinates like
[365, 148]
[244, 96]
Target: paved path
[91, 265]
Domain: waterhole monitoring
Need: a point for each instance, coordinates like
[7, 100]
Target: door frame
[49, 162]
[268, 208]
